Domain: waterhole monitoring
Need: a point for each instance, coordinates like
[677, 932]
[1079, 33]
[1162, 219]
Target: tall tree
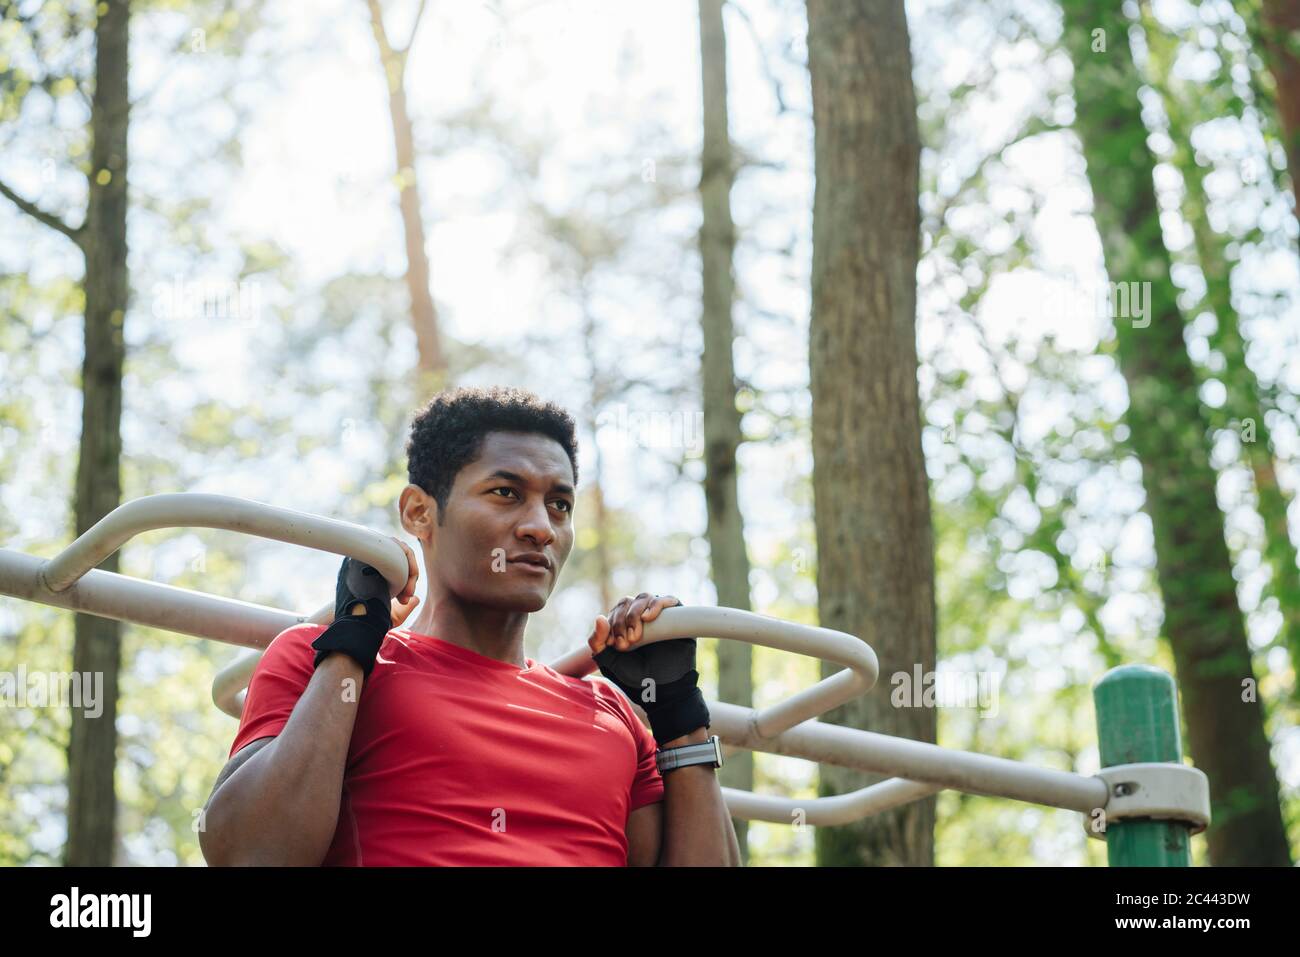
[431, 367]
[726, 531]
[1276, 25]
[875, 561]
[101, 238]
[1247, 404]
[1168, 430]
[92, 801]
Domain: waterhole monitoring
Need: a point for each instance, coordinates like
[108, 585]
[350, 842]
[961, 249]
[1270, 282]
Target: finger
[599, 635]
[402, 592]
[635, 611]
[629, 624]
[632, 620]
[658, 605]
[633, 628]
[395, 610]
[402, 610]
[412, 570]
[618, 619]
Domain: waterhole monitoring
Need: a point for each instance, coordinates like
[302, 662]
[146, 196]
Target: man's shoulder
[303, 630]
[593, 685]
[295, 637]
[614, 699]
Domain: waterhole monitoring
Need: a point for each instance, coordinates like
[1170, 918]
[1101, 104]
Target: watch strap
[705, 752]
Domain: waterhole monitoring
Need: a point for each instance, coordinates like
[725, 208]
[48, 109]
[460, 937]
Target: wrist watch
[706, 752]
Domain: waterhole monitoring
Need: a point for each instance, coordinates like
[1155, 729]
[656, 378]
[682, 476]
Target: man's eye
[568, 506]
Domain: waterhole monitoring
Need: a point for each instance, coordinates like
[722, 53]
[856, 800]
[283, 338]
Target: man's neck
[491, 632]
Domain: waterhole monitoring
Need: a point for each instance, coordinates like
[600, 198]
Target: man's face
[517, 498]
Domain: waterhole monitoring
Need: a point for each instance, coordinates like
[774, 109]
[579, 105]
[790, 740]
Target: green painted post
[1137, 721]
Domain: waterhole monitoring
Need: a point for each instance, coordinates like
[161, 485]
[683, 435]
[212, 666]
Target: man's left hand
[661, 676]
[621, 630]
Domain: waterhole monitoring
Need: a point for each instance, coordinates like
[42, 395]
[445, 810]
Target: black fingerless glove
[671, 697]
[357, 635]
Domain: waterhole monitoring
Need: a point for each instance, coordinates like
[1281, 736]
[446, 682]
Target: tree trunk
[1280, 36]
[1168, 432]
[92, 748]
[726, 532]
[875, 561]
[1247, 403]
[431, 362]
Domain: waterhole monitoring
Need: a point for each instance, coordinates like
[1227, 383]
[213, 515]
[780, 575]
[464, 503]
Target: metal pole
[1137, 722]
[1136, 707]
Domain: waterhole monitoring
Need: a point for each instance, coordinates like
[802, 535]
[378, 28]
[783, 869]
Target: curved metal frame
[790, 727]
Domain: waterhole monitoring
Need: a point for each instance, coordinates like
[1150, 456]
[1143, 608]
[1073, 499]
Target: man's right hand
[404, 602]
[363, 611]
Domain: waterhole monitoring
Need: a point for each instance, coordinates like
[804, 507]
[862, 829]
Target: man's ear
[417, 511]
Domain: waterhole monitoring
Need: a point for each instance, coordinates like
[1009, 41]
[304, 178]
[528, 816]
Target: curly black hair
[447, 434]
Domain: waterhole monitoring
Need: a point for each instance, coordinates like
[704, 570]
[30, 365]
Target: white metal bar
[71, 581]
[230, 686]
[923, 768]
[965, 771]
[825, 811]
[197, 509]
[691, 621]
[141, 602]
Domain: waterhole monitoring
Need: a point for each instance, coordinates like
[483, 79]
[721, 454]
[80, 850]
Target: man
[367, 744]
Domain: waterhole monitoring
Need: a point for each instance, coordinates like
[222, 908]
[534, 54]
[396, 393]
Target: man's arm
[691, 826]
[277, 801]
[645, 832]
[697, 830]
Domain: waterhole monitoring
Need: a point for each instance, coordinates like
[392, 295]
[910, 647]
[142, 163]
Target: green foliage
[1036, 497]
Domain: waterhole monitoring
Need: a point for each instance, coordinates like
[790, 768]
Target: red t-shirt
[458, 759]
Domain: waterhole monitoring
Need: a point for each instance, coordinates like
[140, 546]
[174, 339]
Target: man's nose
[536, 525]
